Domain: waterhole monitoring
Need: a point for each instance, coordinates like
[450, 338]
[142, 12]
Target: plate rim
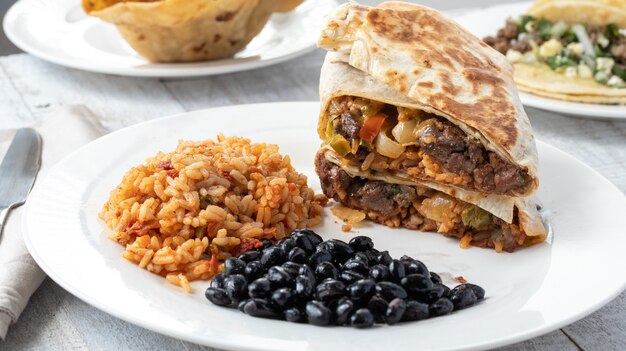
[130, 71]
[228, 344]
[566, 108]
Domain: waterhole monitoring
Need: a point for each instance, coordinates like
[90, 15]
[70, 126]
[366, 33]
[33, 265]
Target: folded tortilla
[410, 57]
[539, 79]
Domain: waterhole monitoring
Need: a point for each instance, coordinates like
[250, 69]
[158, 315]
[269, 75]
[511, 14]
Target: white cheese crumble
[551, 47]
[575, 49]
[616, 82]
[584, 71]
[571, 72]
[514, 55]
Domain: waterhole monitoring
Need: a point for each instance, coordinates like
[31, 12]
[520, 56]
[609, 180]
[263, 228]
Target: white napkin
[62, 132]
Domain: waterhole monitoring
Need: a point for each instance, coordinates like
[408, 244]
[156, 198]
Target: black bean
[306, 239]
[372, 256]
[250, 256]
[361, 256]
[304, 286]
[441, 307]
[317, 313]
[259, 308]
[330, 289]
[415, 311]
[218, 296]
[356, 265]
[295, 315]
[361, 243]
[384, 258]
[379, 273]
[283, 298]
[396, 271]
[446, 290]
[478, 291]
[343, 310]
[395, 311]
[241, 305]
[319, 257]
[297, 255]
[236, 286]
[326, 270]
[253, 270]
[390, 291]
[260, 288]
[361, 289]
[279, 277]
[433, 294]
[416, 267]
[217, 281]
[272, 256]
[287, 244]
[362, 318]
[340, 250]
[378, 306]
[462, 297]
[292, 268]
[435, 278]
[350, 277]
[307, 271]
[416, 285]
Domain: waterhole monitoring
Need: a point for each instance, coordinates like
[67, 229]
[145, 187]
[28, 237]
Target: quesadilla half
[423, 137]
[573, 50]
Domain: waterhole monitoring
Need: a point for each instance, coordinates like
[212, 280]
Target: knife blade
[18, 170]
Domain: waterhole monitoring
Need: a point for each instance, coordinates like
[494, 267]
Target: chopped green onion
[558, 29]
[545, 29]
[620, 71]
[612, 31]
[523, 20]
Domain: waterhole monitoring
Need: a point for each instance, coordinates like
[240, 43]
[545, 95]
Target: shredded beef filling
[447, 148]
[398, 205]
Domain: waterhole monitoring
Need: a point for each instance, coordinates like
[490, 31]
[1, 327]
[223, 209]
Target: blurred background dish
[487, 21]
[61, 32]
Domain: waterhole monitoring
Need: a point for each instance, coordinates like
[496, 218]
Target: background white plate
[529, 292]
[487, 21]
[59, 31]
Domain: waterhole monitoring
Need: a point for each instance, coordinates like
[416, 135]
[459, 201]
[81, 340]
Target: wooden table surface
[31, 88]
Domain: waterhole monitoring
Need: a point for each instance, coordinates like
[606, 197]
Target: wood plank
[55, 320]
[556, 340]
[119, 101]
[603, 330]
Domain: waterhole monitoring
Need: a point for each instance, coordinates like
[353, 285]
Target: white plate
[59, 31]
[529, 292]
[486, 21]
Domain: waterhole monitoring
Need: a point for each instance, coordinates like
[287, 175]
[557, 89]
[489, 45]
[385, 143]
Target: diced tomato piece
[371, 127]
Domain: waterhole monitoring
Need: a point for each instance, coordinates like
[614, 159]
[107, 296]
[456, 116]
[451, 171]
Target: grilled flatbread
[426, 118]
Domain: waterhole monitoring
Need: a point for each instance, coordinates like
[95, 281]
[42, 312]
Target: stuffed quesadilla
[423, 128]
[572, 50]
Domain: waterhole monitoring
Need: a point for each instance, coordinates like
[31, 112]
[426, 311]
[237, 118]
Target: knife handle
[4, 212]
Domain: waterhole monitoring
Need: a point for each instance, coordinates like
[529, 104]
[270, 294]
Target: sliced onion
[583, 38]
[403, 132]
[387, 147]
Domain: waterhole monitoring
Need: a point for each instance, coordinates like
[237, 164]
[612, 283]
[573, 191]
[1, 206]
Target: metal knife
[18, 171]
